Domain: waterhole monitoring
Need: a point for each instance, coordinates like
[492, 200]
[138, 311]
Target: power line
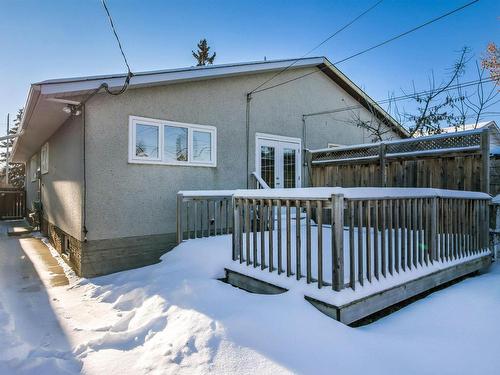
[401, 97]
[129, 72]
[319, 45]
[116, 35]
[372, 47]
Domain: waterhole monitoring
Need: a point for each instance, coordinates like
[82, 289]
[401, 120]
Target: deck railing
[203, 213]
[348, 237]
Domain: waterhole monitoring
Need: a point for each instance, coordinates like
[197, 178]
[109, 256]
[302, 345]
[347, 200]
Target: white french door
[278, 160]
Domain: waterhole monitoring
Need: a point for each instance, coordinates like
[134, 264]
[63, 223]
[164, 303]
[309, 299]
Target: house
[107, 167]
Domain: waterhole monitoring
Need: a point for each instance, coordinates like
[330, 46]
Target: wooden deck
[350, 252]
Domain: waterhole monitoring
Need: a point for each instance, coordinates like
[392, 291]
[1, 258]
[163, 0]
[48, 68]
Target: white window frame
[133, 159]
[44, 158]
[334, 145]
[34, 168]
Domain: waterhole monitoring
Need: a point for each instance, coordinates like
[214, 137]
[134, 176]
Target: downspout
[304, 148]
[247, 120]
[84, 177]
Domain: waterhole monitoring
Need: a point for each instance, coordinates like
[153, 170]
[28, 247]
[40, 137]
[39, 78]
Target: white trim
[133, 159]
[333, 145]
[280, 143]
[279, 138]
[143, 79]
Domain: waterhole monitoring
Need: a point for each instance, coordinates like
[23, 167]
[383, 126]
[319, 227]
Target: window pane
[289, 167]
[146, 141]
[202, 146]
[267, 165]
[175, 144]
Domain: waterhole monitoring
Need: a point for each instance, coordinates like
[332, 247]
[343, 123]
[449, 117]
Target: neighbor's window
[174, 143]
[33, 168]
[44, 158]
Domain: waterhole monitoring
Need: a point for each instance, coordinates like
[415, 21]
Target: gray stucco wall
[126, 200]
[61, 188]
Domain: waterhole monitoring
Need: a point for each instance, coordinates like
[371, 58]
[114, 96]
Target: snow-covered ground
[176, 317]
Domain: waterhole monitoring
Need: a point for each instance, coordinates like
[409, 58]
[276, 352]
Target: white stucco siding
[133, 200]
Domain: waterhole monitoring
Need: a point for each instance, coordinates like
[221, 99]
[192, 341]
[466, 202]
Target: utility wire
[319, 45]
[402, 97]
[372, 47]
[129, 72]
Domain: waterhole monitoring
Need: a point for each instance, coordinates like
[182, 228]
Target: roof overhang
[44, 114]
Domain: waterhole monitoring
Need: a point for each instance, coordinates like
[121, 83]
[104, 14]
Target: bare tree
[436, 105]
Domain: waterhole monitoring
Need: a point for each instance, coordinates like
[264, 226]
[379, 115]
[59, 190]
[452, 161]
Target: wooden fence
[373, 235]
[203, 214]
[12, 203]
[457, 161]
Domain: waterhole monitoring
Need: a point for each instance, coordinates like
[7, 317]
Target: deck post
[180, 236]
[338, 241]
[236, 229]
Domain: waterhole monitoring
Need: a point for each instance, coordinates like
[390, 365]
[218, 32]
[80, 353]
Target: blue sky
[63, 38]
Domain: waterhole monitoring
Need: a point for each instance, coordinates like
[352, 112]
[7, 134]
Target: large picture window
[173, 143]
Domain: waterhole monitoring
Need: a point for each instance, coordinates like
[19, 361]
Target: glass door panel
[289, 168]
[268, 164]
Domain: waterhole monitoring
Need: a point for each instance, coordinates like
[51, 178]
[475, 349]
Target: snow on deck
[326, 294]
[175, 317]
[358, 193]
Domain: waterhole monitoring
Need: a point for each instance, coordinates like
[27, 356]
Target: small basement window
[171, 143]
[44, 159]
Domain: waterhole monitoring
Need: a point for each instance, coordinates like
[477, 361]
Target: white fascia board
[158, 78]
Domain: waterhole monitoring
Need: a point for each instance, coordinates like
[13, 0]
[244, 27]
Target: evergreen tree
[16, 170]
[202, 56]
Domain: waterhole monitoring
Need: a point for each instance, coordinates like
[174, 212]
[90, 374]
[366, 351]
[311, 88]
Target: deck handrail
[203, 213]
[260, 183]
[371, 237]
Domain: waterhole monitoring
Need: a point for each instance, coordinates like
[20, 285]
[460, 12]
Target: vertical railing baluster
[409, 229]
[352, 255]
[308, 242]
[415, 231]
[280, 248]
[262, 234]
[179, 218]
[383, 238]
[255, 227]
[298, 273]
[271, 231]
[420, 231]
[248, 232]
[397, 246]
[376, 251]
[390, 258]
[360, 244]
[288, 240]
[368, 234]
[338, 242]
[403, 234]
[434, 230]
[319, 215]
[240, 228]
